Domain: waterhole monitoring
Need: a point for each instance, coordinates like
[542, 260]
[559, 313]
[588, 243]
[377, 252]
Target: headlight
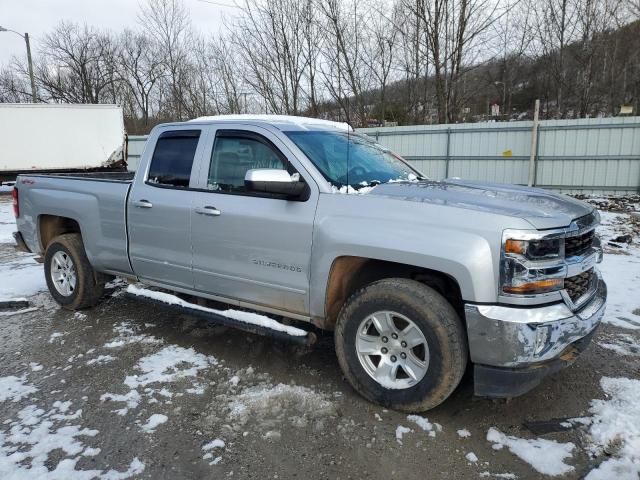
[530, 265]
[535, 249]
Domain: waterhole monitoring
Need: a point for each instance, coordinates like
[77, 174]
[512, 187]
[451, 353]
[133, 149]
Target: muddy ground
[281, 411]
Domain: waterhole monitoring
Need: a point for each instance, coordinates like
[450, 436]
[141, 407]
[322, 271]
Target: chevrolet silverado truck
[306, 220]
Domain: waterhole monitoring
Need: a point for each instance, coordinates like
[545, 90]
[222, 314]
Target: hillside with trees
[361, 61]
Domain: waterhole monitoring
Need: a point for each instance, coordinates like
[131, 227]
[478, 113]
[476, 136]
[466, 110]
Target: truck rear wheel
[71, 279]
[400, 344]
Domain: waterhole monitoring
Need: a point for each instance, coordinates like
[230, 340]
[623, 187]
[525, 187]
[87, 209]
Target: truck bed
[94, 201]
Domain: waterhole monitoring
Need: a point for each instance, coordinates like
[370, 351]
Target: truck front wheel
[400, 344]
[71, 279]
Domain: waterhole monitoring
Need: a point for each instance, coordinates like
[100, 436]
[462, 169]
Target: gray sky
[37, 17]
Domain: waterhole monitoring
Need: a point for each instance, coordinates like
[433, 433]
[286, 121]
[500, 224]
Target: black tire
[89, 285]
[438, 322]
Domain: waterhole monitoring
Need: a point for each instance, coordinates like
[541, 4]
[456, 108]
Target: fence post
[448, 157]
[534, 145]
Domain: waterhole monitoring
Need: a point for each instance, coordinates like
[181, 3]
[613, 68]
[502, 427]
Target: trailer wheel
[401, 345]
[72, 281]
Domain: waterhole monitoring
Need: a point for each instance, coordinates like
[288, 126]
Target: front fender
[462, 250]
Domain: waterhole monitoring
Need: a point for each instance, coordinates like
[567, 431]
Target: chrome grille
[578, 244]
[578, 285]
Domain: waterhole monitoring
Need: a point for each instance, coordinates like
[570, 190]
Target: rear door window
[173, 158]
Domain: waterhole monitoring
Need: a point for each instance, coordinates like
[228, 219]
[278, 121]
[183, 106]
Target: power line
[219, 4]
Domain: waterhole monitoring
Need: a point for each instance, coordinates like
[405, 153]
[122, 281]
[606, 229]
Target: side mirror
[274, 181]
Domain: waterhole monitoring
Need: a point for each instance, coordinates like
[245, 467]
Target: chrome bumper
[510, 337]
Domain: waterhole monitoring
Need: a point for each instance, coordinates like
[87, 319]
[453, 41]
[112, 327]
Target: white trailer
[59, 137]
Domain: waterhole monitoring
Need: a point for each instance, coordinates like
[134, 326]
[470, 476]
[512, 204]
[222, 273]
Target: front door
[248, 247]
[159, 209]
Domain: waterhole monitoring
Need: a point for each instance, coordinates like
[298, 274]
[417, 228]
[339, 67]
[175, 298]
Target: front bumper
[514, 348]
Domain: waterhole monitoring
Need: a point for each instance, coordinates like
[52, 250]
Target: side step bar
[216, 318]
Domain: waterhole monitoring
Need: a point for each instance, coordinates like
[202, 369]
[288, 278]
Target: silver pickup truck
[306, 220]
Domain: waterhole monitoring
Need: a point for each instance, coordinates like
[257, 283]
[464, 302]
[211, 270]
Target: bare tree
[77, 64]
[512, 36]
[379, 54]
[14, 88]
[556, 27]
[311, 51]
[413, 59]
[347, 78]
[169, 24]
[230, 92]
[454, 28]
[594, 18]
[140, 69]
[268, 37]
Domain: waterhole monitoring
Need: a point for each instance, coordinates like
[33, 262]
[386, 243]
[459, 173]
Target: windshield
[348, 159]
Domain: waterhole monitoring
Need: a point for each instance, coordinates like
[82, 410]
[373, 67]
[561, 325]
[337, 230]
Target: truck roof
[282, 122]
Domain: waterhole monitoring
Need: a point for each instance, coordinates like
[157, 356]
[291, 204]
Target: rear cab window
[173, 158]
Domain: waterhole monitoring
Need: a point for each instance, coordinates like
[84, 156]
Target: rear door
[249, 247]
[160, 204]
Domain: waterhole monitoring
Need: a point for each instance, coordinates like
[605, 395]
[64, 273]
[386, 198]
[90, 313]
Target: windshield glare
[349, 159]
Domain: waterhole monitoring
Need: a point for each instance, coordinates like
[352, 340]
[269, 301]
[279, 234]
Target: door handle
[143, 204]
[208, 210]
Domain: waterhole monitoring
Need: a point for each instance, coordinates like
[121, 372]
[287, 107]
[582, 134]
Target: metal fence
[594, 156]
[135, 147]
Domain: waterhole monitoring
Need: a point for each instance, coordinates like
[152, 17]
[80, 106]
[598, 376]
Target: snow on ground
[47, 445]
[621, 270]
[168, 365]
[154, 421]
[622, 275]
[7, 220]
[545, 456]
[471, 457]
[265, 402]
[622, 344]
[101, 360]
[27, 276]
[401, 431]
[128, 335]
[54, 335]
[15, 388]
[614, 435]
[463, 433]
[615, 427]
[245, 317]
[214, 444]
[425, 424]
[35, 367]
[217, 443]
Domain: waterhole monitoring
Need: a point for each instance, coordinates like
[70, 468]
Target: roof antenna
[348, 150]
[348, 145]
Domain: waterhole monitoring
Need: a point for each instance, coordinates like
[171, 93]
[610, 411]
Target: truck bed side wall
[97, 206]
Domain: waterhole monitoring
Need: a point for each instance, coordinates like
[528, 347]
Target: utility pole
[30, 62]
[534, 144]
[504, 98]
[34, 96]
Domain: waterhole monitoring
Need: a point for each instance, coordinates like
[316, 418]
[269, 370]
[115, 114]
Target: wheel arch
[51, 226]
[350, 273]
